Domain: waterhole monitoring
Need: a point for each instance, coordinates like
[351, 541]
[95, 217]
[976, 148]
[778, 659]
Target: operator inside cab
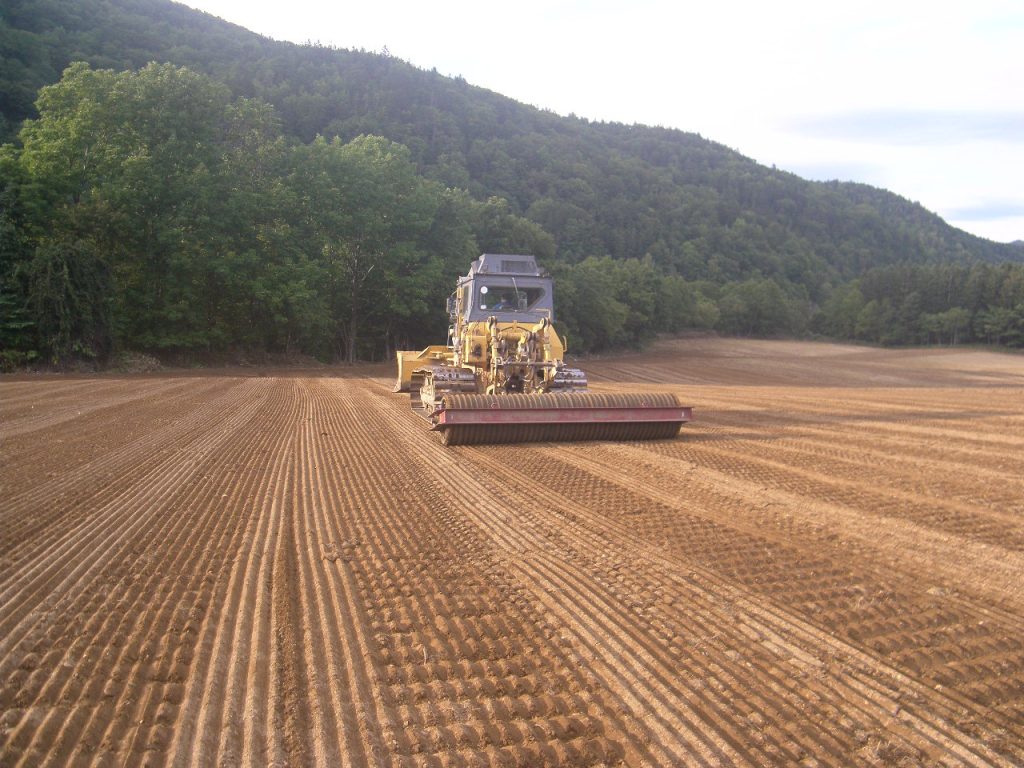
[502, 298]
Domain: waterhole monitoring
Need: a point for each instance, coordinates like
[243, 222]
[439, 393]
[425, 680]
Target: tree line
[936, 304]
[153, 210]
[695, 207]
[150, 210]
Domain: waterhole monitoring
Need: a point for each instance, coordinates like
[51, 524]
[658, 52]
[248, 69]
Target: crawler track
[827, 568]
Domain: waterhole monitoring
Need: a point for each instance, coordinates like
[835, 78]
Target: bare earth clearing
[826, 568]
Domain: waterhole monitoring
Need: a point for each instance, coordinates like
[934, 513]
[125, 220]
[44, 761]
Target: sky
[924, 99]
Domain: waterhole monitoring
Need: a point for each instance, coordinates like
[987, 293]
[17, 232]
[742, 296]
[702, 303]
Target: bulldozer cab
[509, 288]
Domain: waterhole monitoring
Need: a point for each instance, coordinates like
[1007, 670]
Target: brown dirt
[826, 568]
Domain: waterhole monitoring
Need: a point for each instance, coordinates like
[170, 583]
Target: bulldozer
[502, 376]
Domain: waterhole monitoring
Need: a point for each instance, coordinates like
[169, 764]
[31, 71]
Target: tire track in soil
[303, 706]
[478, 685]
[991, 496]
[760, 457]
[982, 479]
[971, 652]
[650, 655]
[291, 719]
[26, 393]
[145, 728]
[89, 517]
[32, 459]
[20, 402]
[860, 440]
[990, 567]
[296, 572]
[806, 365]
[119, 607]
[922, 555]
[84, 401]
[842, 653]
[923, 420]
[227, 703]
[334, 610]
[767, 466]
[58, 493]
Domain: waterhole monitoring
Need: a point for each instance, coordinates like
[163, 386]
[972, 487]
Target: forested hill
[697, 207]
[190, 188]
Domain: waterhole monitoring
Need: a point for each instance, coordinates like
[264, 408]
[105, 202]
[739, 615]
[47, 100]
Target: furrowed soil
[825, 568]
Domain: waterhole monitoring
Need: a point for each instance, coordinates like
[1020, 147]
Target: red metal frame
[593, 415]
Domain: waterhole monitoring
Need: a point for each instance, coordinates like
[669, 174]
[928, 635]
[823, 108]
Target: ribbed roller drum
[469, 418]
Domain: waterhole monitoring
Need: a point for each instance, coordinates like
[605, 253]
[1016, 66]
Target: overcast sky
[925, 99]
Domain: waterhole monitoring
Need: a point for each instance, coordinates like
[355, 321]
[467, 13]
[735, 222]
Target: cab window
[505, 298]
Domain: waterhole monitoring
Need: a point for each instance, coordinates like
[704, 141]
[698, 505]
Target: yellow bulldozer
[502, 376]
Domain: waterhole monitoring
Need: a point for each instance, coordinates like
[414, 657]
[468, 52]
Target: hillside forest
[185, 211]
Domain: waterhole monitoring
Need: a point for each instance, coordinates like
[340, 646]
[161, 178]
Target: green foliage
[940, 304]
[945, 326]
[587, 307]
[494, 223]
[682, 306]
[17, 332]
[758, 307]
[18, 344]
[698, 208]
[148, 210]
[198, 197]
[874, 321]
[68, 290]
[604, 302]
[840, 312]
[128, 162]
[1001, 325]
[366, 215]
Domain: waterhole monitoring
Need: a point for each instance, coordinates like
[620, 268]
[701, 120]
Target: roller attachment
[465, 419]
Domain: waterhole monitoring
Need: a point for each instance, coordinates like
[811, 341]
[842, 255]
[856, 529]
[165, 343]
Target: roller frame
[475, 419]
[443, 417]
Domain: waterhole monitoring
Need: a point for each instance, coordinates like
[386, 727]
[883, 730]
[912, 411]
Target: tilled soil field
[287, 568]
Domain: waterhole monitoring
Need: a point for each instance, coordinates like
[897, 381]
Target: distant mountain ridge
[694, 207]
